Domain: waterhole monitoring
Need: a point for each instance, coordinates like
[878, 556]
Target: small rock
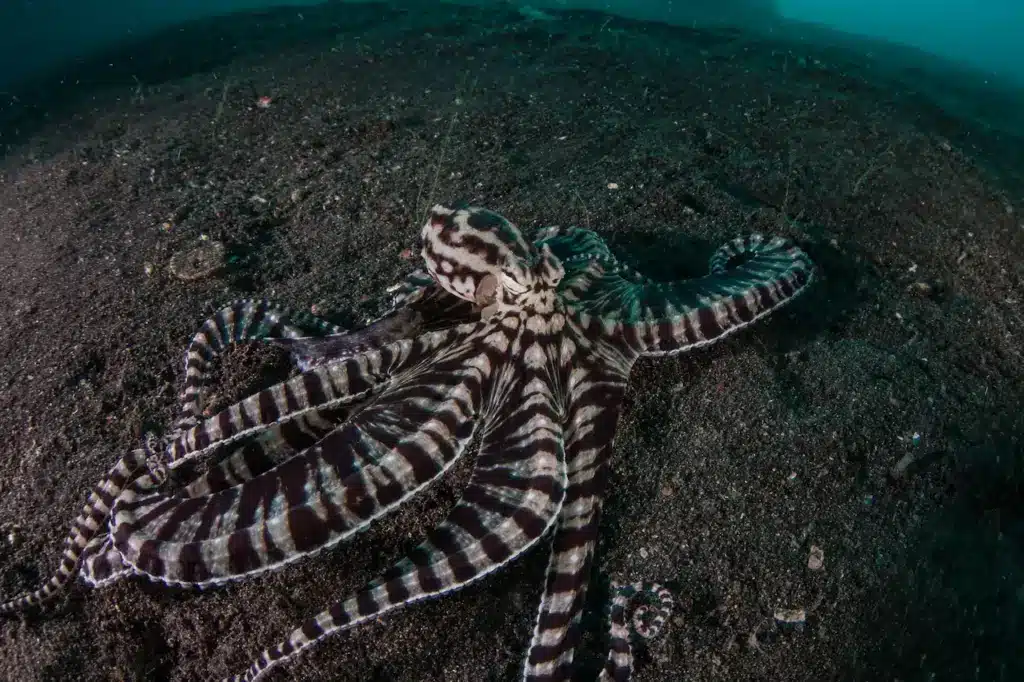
[297, 195]
[920, 288]
[791, 616]
[667, 491]
[816, 560]
[198, 263]
[899, 469]
[11, 534]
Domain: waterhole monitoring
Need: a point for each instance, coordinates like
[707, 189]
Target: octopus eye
[486, 290]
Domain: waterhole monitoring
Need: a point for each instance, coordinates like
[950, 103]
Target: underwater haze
[986, 34]
[652, 341]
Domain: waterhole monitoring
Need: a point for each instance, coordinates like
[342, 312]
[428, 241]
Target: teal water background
[36, 35]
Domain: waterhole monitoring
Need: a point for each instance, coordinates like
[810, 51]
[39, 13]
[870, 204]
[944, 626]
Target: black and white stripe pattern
[750, 278]
[514, 496]
[652, 606]
[237, 322]
[465, 250]
[410, 434]
[530, 344]
[595, 383]
[86, 548]
[89, 524]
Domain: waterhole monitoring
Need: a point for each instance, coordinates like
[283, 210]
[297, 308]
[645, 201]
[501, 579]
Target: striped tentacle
[419, 306]
[435, 309]
[422, 310]
[101, 563]
[248, 320]
[750, 277]
[344, 382]
[514, 496]
[652, 606]
[86, 546]
[595, 387]
[88, 526]
[577, 248]
[268, 449]
[390, 450]
[239, 321]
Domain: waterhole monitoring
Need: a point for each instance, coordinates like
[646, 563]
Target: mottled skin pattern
[527, 346]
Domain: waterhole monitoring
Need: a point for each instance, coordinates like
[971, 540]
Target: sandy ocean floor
[879, 419]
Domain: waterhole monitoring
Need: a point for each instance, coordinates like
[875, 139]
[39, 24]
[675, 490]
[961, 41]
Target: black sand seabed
[731, 463]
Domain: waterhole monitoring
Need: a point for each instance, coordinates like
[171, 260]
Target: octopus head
[480, 256]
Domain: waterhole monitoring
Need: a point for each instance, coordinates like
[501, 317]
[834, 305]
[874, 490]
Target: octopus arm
[593, 410]
[338, 384]
[344, 382]
[418, 310]
[85, 531]
[239, 321]
[750, 277]
[513, 498]
[102, 564]
[417, 307]
[394, 447]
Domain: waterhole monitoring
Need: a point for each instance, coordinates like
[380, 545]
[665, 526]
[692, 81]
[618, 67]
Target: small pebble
[791, 616]
[816, 560]
[920, 288]
[900, 468]
[667, 491]
[198, 263]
